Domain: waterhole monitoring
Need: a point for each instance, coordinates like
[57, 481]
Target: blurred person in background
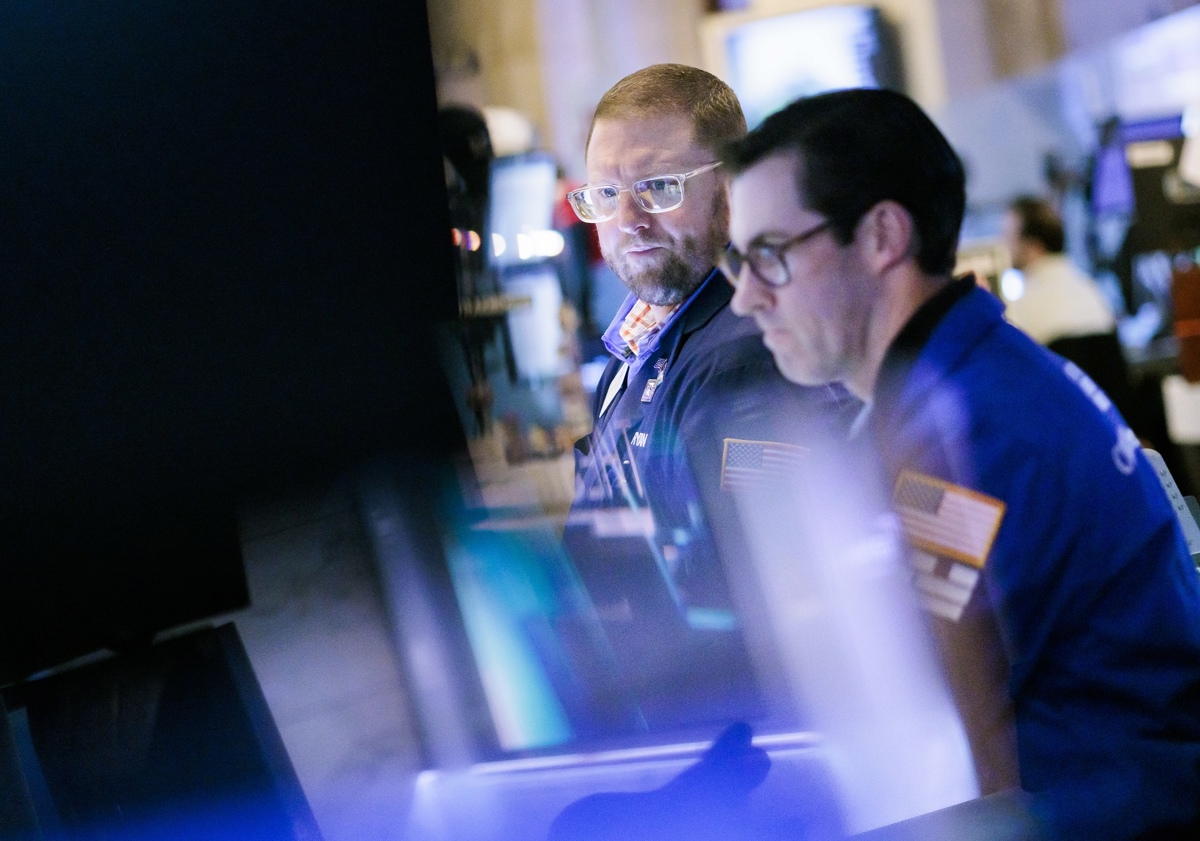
[1063, 308]
[1063, 601]
[1059, 301]
[685, 377]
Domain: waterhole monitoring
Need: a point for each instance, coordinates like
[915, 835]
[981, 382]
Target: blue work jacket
[1074, 629]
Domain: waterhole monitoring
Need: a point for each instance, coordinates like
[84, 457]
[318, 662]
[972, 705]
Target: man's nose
[749, 295]
[631, 216]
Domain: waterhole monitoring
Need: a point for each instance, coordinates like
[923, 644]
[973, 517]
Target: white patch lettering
[1125, 451]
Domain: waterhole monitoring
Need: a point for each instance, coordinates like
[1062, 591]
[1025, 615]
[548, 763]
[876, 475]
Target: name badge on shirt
[652, 386]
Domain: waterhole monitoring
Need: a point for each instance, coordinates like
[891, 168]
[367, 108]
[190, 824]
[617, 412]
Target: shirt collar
[902, 353]
[646, 340]
[641, 326]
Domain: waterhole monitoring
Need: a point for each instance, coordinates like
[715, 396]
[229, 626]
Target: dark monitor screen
[222, 247]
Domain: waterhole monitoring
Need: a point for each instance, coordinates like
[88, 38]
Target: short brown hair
[660, 89]
[1039, 222]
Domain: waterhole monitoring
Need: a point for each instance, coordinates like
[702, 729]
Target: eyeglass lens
[653, 194]
[765, 262]
[659, 193]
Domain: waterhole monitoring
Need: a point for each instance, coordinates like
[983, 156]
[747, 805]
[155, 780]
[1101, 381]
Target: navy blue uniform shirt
[651, 531]
[660, 444]
[1065, 601]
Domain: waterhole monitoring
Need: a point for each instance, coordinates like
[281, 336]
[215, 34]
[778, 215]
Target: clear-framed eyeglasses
[765, 259]
[657, 194]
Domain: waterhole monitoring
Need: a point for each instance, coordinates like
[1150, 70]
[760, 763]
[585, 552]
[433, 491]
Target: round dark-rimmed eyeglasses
[765, 259]
[657, 194]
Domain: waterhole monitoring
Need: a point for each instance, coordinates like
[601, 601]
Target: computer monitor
[775, 60]
[224, 246]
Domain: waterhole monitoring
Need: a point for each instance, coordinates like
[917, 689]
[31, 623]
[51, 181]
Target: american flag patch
[951, 530]
[754, 464]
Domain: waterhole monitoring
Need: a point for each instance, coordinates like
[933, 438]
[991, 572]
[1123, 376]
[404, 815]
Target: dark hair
[1039, 222]
[660, 89]
[859, 147]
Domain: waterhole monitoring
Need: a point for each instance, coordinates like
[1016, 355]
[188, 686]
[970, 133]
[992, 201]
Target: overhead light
[1012, 284]
[540, 244]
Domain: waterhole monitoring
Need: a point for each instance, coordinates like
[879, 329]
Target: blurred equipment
[172, 741]
[512, 133]
[1145, 229]
[1186, 509]
[224, 245]
[204, 295]
[855, 647]
[1189, 155]
[1167, 207]
[1181, 391]
[522, 245]
[467, 148]
[1185, 292]
[510, 293]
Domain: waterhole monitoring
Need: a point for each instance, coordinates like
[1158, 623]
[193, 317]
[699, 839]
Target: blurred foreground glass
[854, 643]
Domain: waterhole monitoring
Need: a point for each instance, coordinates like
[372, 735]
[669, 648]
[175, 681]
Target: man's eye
[656, 185]
[607, 192]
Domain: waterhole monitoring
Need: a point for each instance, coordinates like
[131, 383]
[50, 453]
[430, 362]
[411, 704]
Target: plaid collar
[646, 337]
[640, 327]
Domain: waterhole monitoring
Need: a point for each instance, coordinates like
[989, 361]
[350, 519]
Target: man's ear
[888, 234]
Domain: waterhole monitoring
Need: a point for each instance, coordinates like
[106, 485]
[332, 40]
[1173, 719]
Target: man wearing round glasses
[1062, 597]
[686, 376]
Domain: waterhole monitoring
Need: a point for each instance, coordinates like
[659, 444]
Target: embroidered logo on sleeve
[1127, 446]
[1125, 451]
[755, 464]
[951, 530]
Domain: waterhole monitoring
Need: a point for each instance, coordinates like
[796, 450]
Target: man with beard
[684, 409]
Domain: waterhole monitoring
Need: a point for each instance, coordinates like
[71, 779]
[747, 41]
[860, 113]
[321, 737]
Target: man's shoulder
[727, 354]
[1030, 412]
[1022, 391]
[729, 339]
[999, 396]
[725, 368]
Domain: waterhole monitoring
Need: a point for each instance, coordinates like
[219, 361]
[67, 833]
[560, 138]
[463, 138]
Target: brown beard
[684, 266]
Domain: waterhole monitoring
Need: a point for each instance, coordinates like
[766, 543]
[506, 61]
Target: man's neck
[661, 313]
[1032, 252]
[902, 295]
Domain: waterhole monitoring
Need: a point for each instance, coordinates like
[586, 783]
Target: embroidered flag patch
[951, 530]
[754, 464]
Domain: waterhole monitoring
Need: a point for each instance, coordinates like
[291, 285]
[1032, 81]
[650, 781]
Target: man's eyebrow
[765, 237]
[651, 171]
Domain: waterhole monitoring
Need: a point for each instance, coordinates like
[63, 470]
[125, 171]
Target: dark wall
[223, 238]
